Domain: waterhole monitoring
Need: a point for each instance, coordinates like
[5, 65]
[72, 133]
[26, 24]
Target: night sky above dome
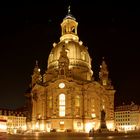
[27, 34]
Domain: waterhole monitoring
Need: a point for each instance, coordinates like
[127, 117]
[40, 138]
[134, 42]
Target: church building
[66, 96]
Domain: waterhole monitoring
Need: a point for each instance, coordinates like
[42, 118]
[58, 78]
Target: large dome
[77, 53]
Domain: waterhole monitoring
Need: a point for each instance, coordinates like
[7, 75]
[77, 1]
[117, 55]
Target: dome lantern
[79, 65]
[69, 27]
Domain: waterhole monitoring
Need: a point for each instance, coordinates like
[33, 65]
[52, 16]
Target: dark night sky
[107, 29]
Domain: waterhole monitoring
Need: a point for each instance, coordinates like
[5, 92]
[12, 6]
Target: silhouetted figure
[103, 122]
[103, 115]
[91, 132]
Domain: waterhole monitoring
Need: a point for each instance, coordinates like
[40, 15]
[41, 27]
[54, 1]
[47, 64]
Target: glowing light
[128, 127]
[88, 127]
[15, 131]
[93, 115]
[61, 85]
[62, 111]
[33, 127]
[48, 127]
[24, 127]
[3, 127]
[37, 125]
[110, 126]
[80, 42]
[38, 70]
[62, 105]
[61, 122]
[110, 137]
[54, 44]
[78, 126]
[74, 38]
[42, 126]
[66, 41]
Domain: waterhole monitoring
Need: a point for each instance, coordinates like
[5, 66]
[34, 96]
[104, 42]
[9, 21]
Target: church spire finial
[104, 75]
[36, 76]
[36, 62]
[69, 12]
[36, 69]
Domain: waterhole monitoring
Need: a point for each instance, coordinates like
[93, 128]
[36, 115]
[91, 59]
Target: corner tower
[36, 77]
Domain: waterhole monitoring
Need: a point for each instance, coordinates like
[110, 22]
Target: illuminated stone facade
[12, 121]
[127, 117]
[67, 97]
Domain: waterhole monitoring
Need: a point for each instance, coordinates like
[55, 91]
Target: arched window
[77, 105]
[93, 112]
[73, 29]
[62, 105]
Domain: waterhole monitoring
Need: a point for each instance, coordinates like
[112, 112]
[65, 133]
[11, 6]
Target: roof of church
[70, 16]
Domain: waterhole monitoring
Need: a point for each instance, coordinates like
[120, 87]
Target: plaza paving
[74, 136]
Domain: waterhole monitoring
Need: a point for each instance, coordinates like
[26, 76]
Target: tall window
[77, 101]
[93, 115]
[77, 106]
[62, 105]
[50, 105]
[50, 102]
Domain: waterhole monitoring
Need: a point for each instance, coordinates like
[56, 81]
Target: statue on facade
[63, 62]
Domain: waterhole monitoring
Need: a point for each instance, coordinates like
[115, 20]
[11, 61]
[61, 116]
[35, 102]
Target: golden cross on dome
[36, 62]
[68, 9]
